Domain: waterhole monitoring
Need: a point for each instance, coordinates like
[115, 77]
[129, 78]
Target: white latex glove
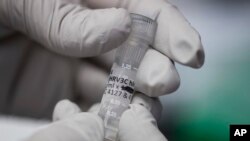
[175, 41]
[136, 124]
[67, 26]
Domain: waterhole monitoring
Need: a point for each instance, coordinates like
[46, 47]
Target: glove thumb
[138, 124]
[65, 109]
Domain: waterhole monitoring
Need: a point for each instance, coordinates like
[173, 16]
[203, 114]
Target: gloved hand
[67, 26]
[70, 27]
[136, 124]
[175, 41]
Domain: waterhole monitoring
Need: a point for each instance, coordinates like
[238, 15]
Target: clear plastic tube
[121, 83]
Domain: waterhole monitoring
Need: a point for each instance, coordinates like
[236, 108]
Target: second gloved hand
[136, 124]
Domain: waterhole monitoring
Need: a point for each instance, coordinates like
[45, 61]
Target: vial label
[120, 86]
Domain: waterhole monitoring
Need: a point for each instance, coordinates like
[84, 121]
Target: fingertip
[64, 109]
[199, 54]
[157, 75]
[135, 113]
[177, 39]
[189, 50]
[138, 124]
[95, 108]
[151, 104]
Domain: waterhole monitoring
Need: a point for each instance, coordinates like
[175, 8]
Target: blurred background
[209, 99]
[217, 95]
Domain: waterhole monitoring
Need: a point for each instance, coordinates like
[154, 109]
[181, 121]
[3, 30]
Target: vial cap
[143, 27]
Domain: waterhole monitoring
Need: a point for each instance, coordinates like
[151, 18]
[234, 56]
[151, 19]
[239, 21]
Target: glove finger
[79, 127]
[175, 37]
[91, 32]
[151, 104]
[95, 108]
[138, 124]
[68, 28]
[91, 82]
[65, 109]
[156, 75]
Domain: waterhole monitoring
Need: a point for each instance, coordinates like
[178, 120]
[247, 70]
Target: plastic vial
[121, 83]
